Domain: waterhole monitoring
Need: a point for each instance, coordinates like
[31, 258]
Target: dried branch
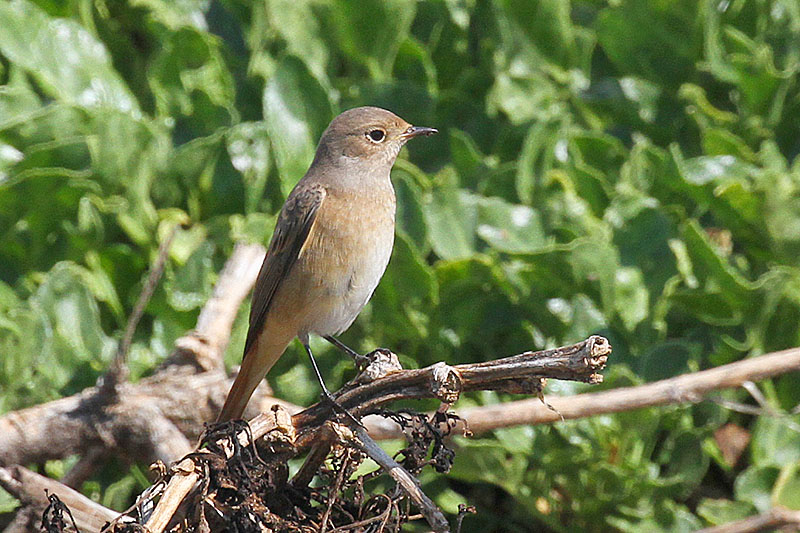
[379, 383]
[31, 489]
[185, 477]
[136, 421]
[85, 467]
[518, 373]
[404, 480]
[682, 389]
[119, 368]
[329, 434]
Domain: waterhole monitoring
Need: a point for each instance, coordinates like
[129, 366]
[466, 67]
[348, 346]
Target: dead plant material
[54, 518]
[238, 477]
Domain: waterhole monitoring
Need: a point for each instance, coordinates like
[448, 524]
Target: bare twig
[772, 520]
[185, 477]
[333, 490]
[119, 368]
[519, 373]
[309, 427]
[682, 389]
[85, 467]
[329, 434]
[404, 480]
[29, 487]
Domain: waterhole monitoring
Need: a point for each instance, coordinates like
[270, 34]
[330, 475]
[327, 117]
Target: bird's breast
[345, 256]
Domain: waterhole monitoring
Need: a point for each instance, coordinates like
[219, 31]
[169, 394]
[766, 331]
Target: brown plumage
[331, 244]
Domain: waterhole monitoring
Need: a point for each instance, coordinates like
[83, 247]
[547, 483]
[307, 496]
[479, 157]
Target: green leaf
[189, 286]
[754, 486]
[631, 297]
[684, 459]
[712, 266]
[69, 333]
[7, 502]
[549, 27]
[189, 13]
[119, 493]
[467, 159]
[67, 60]
[481, 461]
[371, 32]
[248, 150]
[787, 488]
[509, 228]
[712, 169]
[410, 215]
[775, 442]
[296, 111]
[452, 216]
[189, 78]
[668, 359]
[638, 35]
[721, 511]
[296, 22]
[406, 292]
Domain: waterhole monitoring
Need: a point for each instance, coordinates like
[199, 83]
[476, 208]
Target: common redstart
[330, 247]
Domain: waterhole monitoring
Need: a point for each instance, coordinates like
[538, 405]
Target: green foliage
[626, 168]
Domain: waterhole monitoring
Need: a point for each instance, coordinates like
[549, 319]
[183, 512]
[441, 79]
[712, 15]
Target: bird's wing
[292, 229]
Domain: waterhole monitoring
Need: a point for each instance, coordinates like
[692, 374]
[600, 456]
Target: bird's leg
[326, 394]
[361, 361]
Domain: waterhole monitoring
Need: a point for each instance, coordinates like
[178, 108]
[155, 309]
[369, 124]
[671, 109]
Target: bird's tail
[255, 364]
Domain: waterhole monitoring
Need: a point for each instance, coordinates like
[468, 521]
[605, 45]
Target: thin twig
[118, 372]
[518, 373]
[333, 492]
[29, 487]
[85, 467]
[328, 434]
[383, 517]
[687, 388]
[404, 480]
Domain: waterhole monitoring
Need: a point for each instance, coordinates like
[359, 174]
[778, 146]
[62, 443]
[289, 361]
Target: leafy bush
[626, 168]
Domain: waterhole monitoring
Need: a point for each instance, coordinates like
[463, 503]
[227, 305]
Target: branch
[185, 477]
[174, 402]
[408, 483]
[686, 388]
[381, 382]
[119, 368]
[518, 373]
[29, 487]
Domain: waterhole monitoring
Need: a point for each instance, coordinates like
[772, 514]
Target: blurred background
[621, 167]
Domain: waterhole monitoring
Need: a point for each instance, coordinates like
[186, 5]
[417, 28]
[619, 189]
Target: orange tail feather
[255, 365]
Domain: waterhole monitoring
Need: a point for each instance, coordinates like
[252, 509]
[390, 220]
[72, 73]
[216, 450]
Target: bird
[331, 245]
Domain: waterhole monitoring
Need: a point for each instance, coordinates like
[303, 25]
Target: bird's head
[369, 134]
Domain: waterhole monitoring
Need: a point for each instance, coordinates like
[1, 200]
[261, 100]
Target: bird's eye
[376, 136]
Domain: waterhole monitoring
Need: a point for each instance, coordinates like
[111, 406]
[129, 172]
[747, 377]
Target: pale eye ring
[376, 135]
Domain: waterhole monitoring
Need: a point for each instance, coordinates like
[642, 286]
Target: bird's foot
[361, 361]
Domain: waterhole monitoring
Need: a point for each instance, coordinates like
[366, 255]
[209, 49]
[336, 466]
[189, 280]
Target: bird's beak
[416, 131]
